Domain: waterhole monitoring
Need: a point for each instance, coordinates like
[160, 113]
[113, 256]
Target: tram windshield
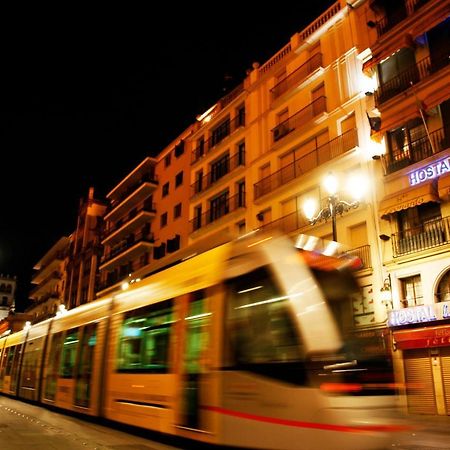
[263, 337]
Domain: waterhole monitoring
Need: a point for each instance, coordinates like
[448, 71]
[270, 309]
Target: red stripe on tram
[301, 424]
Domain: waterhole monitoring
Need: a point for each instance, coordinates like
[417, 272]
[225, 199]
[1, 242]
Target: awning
[408, 198]
[389, 47]
[422, 337]
[444, 186]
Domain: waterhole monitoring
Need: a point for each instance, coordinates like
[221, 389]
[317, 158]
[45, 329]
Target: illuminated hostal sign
[419, 314]
[428, 172]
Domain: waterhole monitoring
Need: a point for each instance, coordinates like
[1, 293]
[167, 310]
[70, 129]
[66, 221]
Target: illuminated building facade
[262, 151]
[408, 58]
[146, 219]
[8, 286]
[84, 253]
[49, 278]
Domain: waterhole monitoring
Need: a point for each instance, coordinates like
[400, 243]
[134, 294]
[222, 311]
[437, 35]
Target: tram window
[261, 330]
[53, 365]
[85, 365]
[69, 354]
[9, 360]
[30, 363]
[144, 339]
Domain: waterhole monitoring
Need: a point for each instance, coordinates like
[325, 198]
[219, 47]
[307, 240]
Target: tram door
[197, 324]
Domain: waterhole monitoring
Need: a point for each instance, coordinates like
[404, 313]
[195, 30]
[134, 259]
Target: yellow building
[408, 60]
[263, 151]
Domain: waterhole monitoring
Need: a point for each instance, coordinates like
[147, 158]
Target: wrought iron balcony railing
[326, 152]
[297, 76]
[226, 166]
[418, 150]
[300, 118]
[430, 235]
[227, 206]
[217, 135]
[411, 75]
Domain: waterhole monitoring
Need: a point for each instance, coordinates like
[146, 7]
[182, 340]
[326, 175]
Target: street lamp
[335, 206]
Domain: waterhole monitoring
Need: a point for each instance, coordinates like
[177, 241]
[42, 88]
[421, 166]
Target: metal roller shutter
[445, 365]
[419, 382]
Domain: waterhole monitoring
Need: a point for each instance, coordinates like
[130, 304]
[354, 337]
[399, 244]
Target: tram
[249, 344]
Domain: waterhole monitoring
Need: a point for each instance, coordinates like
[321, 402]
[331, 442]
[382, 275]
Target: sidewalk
[429, 423]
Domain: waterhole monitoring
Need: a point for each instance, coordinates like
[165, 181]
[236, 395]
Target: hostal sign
[431, 171]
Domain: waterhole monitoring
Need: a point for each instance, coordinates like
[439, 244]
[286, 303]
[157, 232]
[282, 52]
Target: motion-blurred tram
[249, 344]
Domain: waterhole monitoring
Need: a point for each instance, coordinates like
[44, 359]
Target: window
[241, 228]
[409, 143]
[85, 365]
[349, 123]
[165, 189]
[197, 217]
[145, 338]
[179, 149]
[177, 211]
[261, 336]
[179, 179]
[241, 194]
[163, 220]
[318, 99]
[198, 187]
[220, 168]
[69, 354]
[420, 228]
[394, 65]
[240, 115]
[411, 291]
[219, 206]
[220, 132]
[167, 160]
[282, 128]
[443, 290]
[241, 153]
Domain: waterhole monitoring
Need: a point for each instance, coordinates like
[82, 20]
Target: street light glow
[335, 206]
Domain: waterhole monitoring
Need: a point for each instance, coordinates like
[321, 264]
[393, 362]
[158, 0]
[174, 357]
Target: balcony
[127, 250]
[225, 129]
[430, 235]
[135, 219]
[404, 10]
[300, 118]
[50, 267]
[363, 253]
[135, 195]
[224, 168]
[322, 154]
[46, 285]
[410, 76]
[296, 77]
[418, 150]
[227, 206]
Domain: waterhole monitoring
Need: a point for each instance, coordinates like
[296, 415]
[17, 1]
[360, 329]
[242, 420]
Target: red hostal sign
[423, 337]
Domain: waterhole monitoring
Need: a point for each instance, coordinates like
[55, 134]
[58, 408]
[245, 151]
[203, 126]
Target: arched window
[443, 289]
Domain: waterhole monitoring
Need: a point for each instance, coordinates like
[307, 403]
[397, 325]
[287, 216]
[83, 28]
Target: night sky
[88, 94]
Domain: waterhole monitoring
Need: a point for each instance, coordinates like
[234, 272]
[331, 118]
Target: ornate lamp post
[335, 206]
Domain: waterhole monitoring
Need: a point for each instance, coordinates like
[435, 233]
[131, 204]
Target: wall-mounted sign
[419, 314]
[433, 170]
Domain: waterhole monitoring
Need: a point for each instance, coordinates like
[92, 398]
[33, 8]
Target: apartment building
[146, 220]
[261, 152]
[49, 278]
[84, 253]
[409, 60]
[8, 285]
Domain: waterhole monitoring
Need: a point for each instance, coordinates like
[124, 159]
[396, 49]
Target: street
[24, 425]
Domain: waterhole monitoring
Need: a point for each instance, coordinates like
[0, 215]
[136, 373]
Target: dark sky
[86, 95]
